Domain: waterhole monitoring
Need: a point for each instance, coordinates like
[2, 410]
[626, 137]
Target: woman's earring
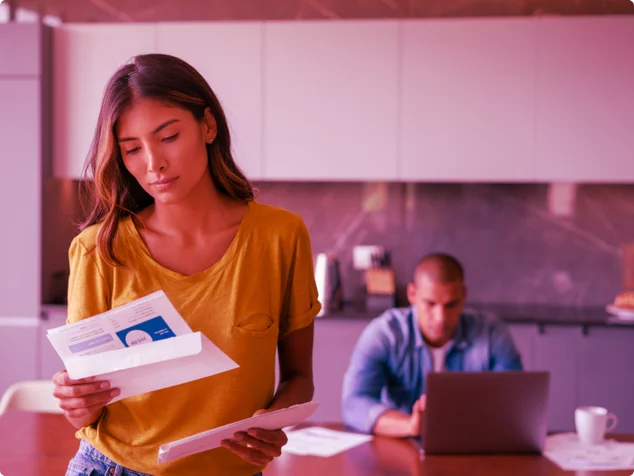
[209, 141]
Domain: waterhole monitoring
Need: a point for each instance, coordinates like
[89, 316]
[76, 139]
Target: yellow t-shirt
[261, 289]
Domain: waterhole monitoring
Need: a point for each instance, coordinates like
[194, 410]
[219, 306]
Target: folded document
[139, 347]
[208, 440]
[324, 442]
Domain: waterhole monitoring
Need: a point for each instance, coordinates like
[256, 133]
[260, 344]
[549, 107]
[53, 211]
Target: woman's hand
[257, 446]
[82, 400]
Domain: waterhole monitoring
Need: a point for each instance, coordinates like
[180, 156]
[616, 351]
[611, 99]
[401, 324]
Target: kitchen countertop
[539, 314]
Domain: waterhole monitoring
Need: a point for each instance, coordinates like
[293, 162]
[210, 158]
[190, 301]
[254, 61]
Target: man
[384, 386]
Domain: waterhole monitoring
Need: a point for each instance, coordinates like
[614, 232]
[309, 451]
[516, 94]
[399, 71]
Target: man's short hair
[441, 267]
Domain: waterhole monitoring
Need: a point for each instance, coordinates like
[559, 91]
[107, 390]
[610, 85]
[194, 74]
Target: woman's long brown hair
[109, 192]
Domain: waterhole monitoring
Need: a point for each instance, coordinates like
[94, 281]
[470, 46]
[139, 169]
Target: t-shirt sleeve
[301, 303]
[88, 290]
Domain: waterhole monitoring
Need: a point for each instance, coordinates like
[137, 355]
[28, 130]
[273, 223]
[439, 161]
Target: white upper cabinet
[20, 196]
[331, 100]
[85, 57]
[467, 100]
[585, 99]
[229, 56]
[443, 100]
[20, 49]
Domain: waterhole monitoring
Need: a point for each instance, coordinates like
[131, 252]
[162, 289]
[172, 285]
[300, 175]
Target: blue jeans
[88, 461]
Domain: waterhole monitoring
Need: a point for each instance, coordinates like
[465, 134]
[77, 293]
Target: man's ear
[211, 128]
[411, 293]
[464, 293]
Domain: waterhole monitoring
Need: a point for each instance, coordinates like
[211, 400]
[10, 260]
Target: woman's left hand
[261, 445]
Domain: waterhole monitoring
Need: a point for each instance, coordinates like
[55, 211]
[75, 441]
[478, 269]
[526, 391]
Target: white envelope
[140, 347]
[148, 367]
[208, 440]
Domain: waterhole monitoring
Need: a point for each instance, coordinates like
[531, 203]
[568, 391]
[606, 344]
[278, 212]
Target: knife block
[379, 281]
[380, 289]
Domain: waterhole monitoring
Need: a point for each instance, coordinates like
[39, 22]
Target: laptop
[485, 412]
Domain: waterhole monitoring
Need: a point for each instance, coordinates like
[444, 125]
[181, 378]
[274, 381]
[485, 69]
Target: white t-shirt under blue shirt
[438, 356]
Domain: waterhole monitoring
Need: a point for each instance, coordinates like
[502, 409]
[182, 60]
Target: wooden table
[397, 457]
[33, 444]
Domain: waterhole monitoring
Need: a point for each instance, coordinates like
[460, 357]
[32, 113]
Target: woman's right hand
[82, 400]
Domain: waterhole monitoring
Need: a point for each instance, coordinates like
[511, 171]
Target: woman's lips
[163, 184]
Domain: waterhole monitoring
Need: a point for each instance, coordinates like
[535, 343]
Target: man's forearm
[395, 424]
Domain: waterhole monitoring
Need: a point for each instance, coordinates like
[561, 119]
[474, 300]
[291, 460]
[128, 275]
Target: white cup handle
[612, 424]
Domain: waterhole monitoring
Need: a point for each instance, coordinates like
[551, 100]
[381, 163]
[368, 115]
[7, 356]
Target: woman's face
[164, 148]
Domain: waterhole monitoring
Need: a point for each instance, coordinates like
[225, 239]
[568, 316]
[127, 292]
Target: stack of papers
[323, 442]
[208, 440]
[139, 347]
[570, 454]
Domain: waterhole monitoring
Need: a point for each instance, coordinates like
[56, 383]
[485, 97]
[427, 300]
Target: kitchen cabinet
[524, 338]
[587, 367]
[19, 350]
[553, 349]
[27, 61]
[333, 344]
[84, 59]
[585, 105]
[467, 100]
[556, 349]
[448, 100]
[229, 56]
[604, 367]
[22, 159]
[331, 100]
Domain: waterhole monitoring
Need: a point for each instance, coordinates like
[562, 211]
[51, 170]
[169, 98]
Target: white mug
[592, 424]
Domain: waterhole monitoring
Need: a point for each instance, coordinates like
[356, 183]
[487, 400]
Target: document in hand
[139, 347]
[208, 440]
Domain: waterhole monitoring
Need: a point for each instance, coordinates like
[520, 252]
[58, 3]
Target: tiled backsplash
[514, 248]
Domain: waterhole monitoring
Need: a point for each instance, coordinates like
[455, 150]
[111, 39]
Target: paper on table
[208, 440]
[139, 347]
[323, 442]
[570, 454]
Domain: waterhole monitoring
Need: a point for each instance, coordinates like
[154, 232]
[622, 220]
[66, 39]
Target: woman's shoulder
[276, 218]
[86, 241]
[277, 225]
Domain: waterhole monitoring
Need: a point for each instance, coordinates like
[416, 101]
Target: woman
[171, 211]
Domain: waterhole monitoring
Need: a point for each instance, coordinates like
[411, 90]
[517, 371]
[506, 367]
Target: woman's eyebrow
[162, 126]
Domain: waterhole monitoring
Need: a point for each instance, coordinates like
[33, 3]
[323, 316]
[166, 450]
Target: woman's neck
[203, 212]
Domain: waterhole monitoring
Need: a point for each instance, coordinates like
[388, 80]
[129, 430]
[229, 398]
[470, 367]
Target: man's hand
[416, 420]
[257, 446]
[395, 423]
